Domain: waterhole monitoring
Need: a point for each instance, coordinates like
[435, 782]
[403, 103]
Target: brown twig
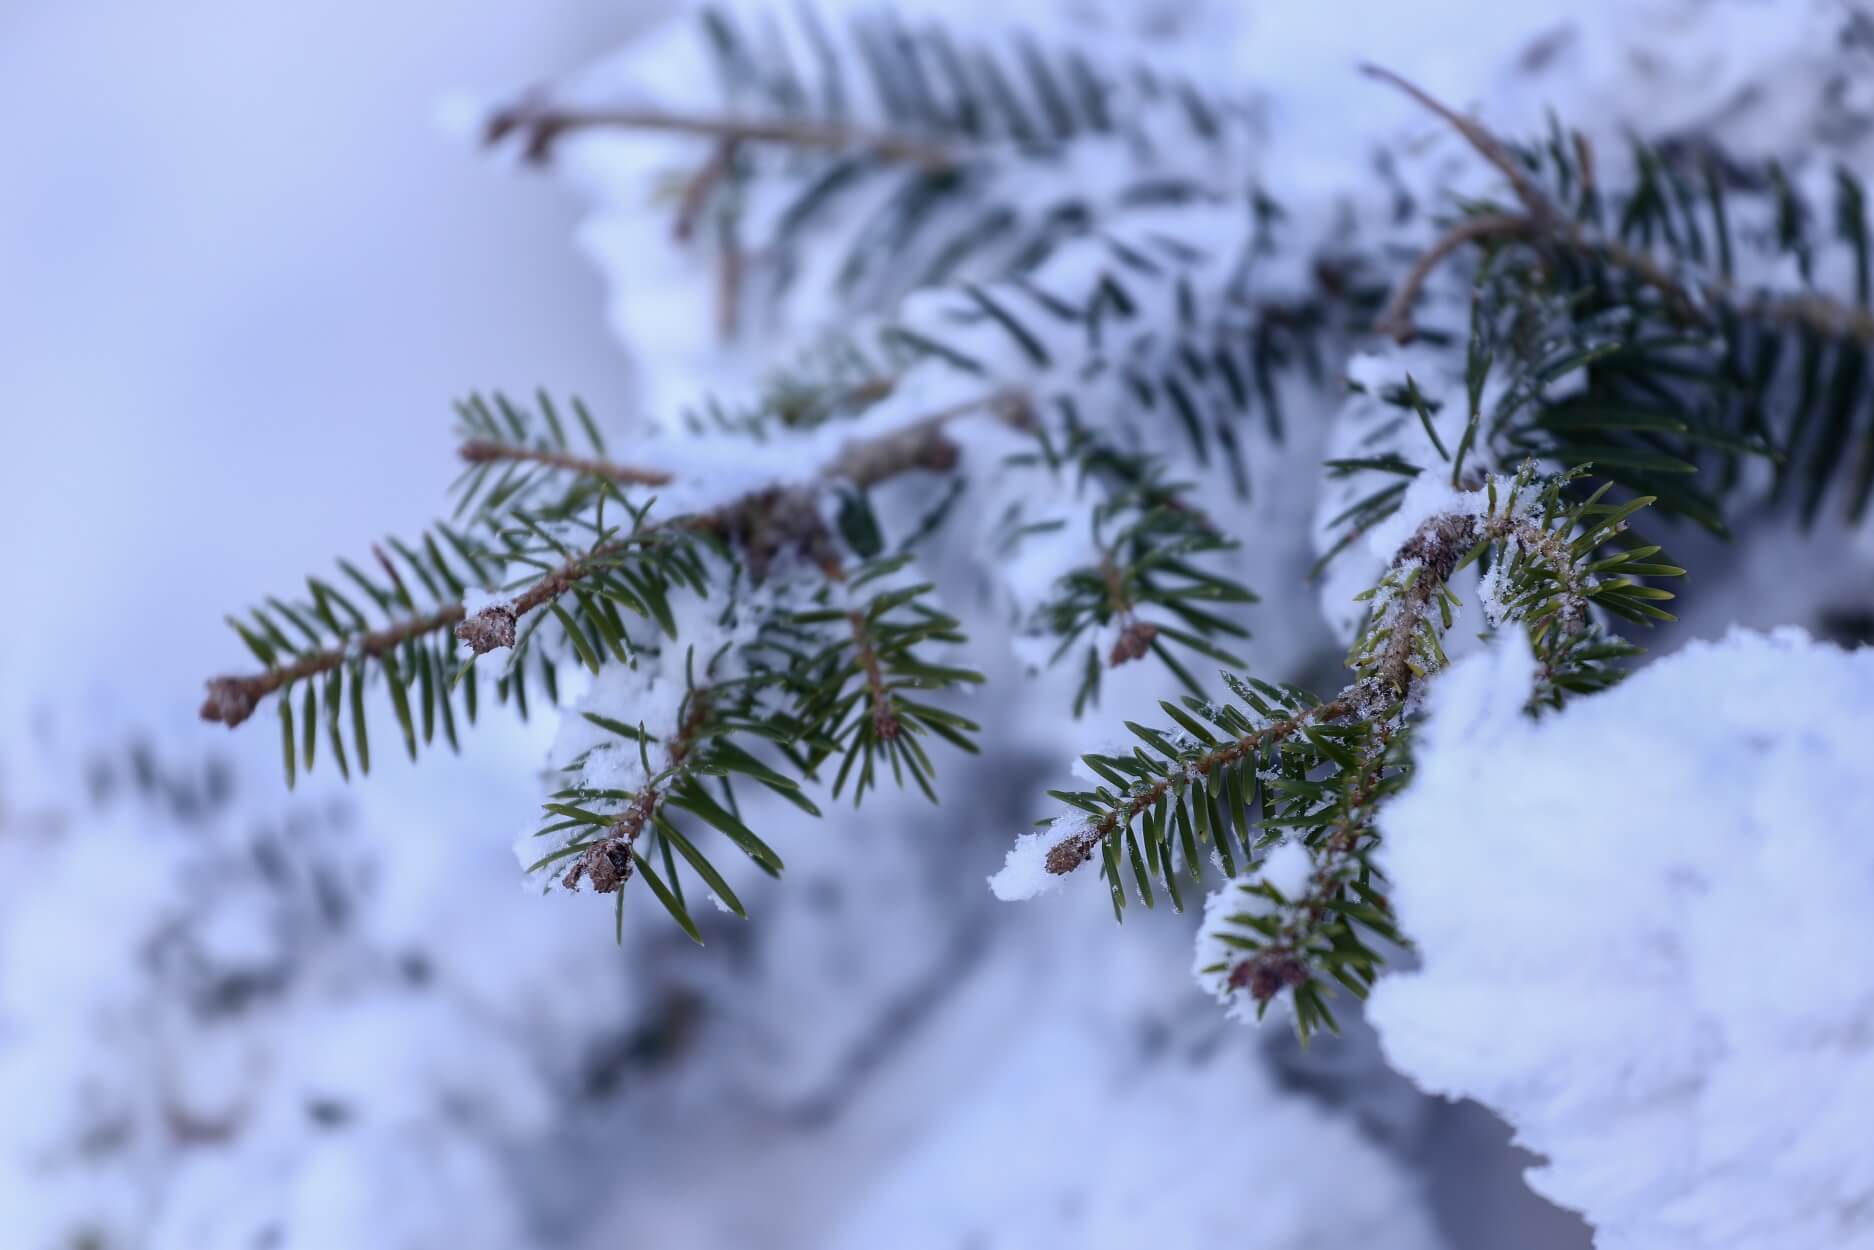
[884, 720]
[1541, 220]
[1074, 850]
[607, 862]
[544, 125]
[923, 445]
[1135, 636]
[232, 700]
[730, 263]
[1486, 144]
[1396, 320]
[1437, 545]
[697, 190]
[1283, 964]
[485, 451]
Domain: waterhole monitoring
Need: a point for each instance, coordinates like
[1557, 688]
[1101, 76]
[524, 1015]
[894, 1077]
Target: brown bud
[1014, 409]
[489, 628]
[1067, 855]
[229, 701]
[1268, 973]
[1440, 543]
[607, 866]
[1133, 643]
[938, 454]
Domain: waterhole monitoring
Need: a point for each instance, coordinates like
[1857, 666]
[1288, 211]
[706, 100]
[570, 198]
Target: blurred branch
[543, 124]
[486, 451]
[1542, 222]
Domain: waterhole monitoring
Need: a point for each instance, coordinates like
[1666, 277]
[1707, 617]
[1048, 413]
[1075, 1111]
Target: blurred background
[243, 270]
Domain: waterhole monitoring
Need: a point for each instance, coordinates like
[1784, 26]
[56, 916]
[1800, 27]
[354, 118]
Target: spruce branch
[493, 627]
[1689, 294]
[765, 523]
[702, 183]
[836, 674]
[1076, 849]
[949, 137]
[542, 124]
[884, 721]
[1487, 145]
[232, 699]
[607, 862]
[1299, 939]
[851, 663]
[1153, 559]
[526, 483]
[1282, 766]
[1395, 321]
[1422, 570]
[487, 451]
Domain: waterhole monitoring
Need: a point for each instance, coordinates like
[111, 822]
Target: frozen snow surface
[227, 1023]
[1644, 923]
[1085, 1131]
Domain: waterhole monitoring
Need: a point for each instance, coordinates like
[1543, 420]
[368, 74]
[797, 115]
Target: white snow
[1062, 1139]
[881, 1050]
[1024, 874]
[1287, 866]
[1643, 922]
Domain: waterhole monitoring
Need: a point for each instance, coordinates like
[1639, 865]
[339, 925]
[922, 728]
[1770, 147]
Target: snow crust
[221, 1025]
[1062, 1139]
[1644, 922]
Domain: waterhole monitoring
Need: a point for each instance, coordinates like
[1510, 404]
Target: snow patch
[1659, 885]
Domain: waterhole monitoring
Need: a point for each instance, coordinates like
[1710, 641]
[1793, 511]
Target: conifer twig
[607, 862]
[544, 124]
[922, 445]
[1487, 144]
[1283, 964]
[702, 182]
[485, 451]
[1541, 220]
[1135, 636]
[1075, 849]
[884, 720]
[232, 700]
[1437, 545]
[1396, 321]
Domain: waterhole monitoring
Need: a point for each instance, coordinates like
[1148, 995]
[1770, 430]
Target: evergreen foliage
[1582, 353]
